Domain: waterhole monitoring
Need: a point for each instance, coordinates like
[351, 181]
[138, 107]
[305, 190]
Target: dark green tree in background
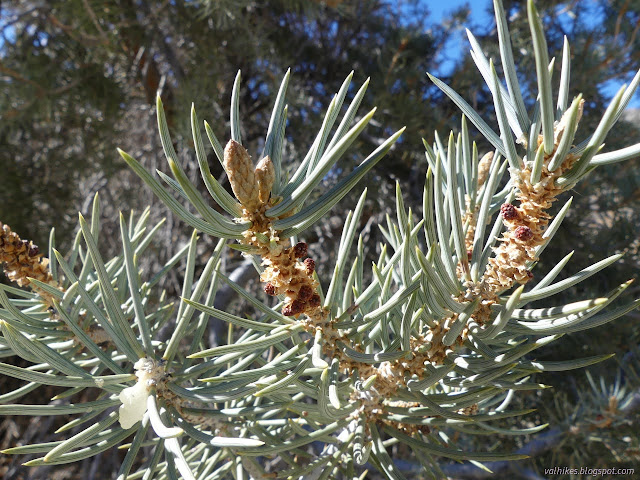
[80, 77]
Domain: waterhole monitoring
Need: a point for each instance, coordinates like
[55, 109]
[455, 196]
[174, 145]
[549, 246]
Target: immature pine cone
[523, 233]
[270, 289]
[305, 293]
[309, 265]
[508, 211]
[294, 308]
[314, 301]
[300, 250]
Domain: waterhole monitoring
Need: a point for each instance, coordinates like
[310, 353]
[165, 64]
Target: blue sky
[440, 9]
[481, 13]
[458, 45]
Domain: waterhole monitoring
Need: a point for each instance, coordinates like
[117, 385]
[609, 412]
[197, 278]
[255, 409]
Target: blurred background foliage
[79, 78]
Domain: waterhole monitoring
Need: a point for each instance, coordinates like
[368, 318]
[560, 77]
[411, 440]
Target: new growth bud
[265, 175]
[239, 167]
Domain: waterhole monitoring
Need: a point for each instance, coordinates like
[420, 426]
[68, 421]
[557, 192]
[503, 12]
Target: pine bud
[239, 167]
[314, 301]
[309, 265]
[33, 250]
[305, 293]
[523, 233]
[294, 308]
[508, 211]
[300, 250]
[265, 175]
[270, 289]
[484, 167]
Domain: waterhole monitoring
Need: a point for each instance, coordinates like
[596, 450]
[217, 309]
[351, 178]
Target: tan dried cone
[22, 260]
